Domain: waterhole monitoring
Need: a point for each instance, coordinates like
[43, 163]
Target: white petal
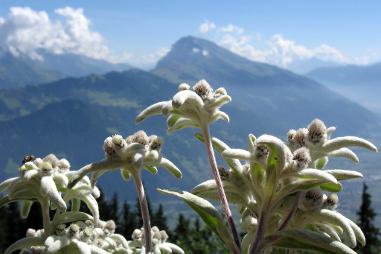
[337, 143]
[49, 189]
[187, 97]
[346, 153]
[237, 154]
[170, 167]
[154, 109]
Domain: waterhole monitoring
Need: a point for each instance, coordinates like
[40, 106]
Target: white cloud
[275, 49]
[232, 29]
[206, 27]
[27, 31]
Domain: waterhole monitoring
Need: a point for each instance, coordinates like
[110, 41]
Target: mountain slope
[360, 83]
[275, 97]
[21, 70]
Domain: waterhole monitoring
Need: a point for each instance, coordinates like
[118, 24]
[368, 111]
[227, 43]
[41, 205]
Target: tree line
[192, 235]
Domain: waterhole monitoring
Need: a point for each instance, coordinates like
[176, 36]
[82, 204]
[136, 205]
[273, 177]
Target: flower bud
[110, 226]
[60, 230]
[301, 158]
[331, 202]
[202, 89]
[184, 86]
[38, 162]
[312, 199]
[52, 159]
[317, 132]
[31, 232]
[139, 137]
[300, 137]
[155, 142]
[220, 91]
[108, 147]
[46, 168]
[137, 234]
[164, 235]
[118, 141]
[73, 230]
[63, 164]
[89, 223]
[261, 152]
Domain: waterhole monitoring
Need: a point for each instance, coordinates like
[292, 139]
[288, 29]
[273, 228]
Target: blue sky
[142, 31]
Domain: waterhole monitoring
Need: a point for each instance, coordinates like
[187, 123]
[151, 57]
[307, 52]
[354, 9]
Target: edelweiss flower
[159, 240]
[40, 179]
[190, 107]
[316, 137]
[138, 151]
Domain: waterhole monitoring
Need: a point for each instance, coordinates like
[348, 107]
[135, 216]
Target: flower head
[190, 107]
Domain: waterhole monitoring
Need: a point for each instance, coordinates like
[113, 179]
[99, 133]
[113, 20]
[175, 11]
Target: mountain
[268, 93]
[360, 83]
[20, 71]
[303, 66]
[72, 116]
[16, 71]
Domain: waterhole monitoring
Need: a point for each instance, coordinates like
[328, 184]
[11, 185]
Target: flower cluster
[46, 181]
[138, 151]
[283, 192]
[81, 237]
[159, 241]
[194, 106]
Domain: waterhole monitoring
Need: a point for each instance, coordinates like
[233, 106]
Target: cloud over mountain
[26, 31]
[276, 49]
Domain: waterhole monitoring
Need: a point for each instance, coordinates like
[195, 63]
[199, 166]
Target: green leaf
[322, 162]
[24, 243]
[25, 208]
[341, 174]
[208, 214]
[4, 200]
[153, 170]
[75, 204]
[332, 187]
[69, 217]
[303, 239]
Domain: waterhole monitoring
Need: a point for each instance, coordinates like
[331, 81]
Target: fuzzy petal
[341, 142]
[187, 97]
[170, 167]
[237, 154]
[49, 189]
[154, 109]
[345, 153]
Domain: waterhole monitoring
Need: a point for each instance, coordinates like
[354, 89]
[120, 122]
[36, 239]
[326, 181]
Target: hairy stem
[143, 209]
[291, 213]
[96, 166]
[46, 217]
[221, 191]
[265, 211]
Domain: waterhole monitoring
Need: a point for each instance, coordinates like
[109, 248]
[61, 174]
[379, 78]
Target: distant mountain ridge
[17, 71]
[361, 83]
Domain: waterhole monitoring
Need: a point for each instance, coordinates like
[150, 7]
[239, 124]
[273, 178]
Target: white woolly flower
[159, 241]
[138, 151]
[190, 107]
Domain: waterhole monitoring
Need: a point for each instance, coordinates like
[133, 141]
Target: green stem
[96, 166]
[221, 191]
[143, 209]
[46, 217]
